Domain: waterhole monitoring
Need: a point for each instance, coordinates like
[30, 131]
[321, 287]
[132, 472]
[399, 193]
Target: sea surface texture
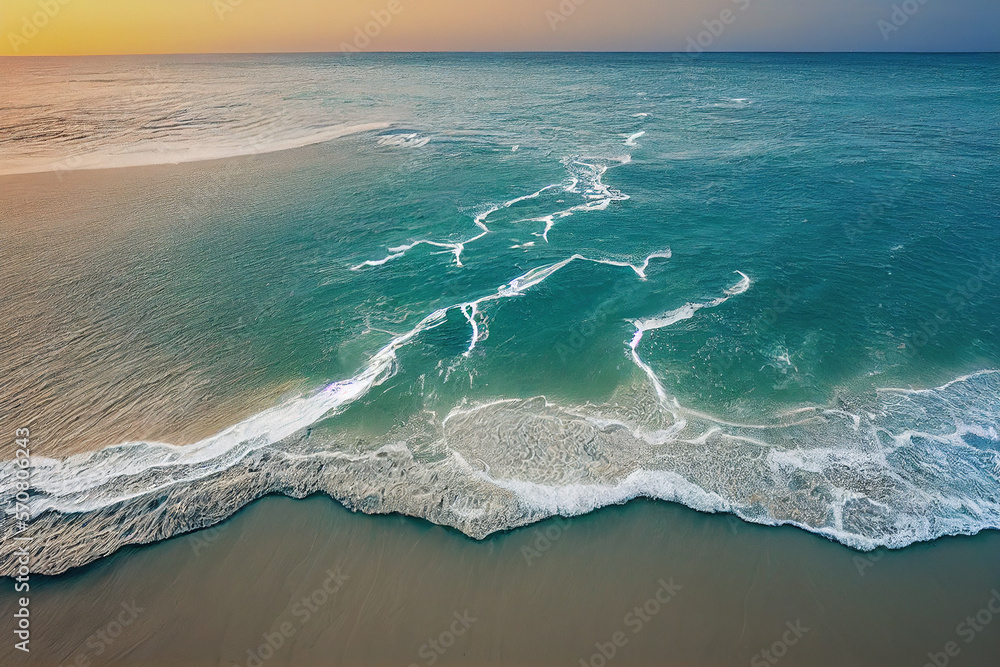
[489, 289]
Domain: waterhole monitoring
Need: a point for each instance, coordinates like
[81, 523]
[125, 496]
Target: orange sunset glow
[84, 27]
[96, 27]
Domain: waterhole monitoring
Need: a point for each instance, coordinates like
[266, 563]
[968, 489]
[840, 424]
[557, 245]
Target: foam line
[577, 499]
[96, 469]
[589, 174]
[456, 249]
[471, 312]
[378, 262]
[685, 312]
[631, 140]
[964, 378]
[410, 140]
[533, 277]
[480, 219]
[639, 270]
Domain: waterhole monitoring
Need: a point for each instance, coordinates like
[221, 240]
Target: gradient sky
[80, 27]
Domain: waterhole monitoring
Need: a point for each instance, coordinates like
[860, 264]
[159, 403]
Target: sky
[90, 27]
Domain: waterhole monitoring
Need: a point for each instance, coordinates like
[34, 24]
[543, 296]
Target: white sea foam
[833, 473]
[384, 260]
[585, 179]
[404, 140]
[576, 499]
[78, 483]
[630, 141]
[685, 312]
[948, 385]
[453, 248]
[731, 103]
[480, 219]
[471, 312]
[640, 269]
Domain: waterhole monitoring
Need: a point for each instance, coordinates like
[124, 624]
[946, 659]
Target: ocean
[486, 290]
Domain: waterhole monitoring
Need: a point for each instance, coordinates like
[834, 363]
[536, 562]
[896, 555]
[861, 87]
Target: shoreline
[91, 505]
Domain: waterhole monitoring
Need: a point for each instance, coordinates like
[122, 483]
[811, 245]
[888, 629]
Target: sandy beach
[308, 583]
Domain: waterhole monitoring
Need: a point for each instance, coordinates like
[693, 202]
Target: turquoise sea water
[511, 286]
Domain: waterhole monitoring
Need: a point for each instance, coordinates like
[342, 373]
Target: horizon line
[510, 52]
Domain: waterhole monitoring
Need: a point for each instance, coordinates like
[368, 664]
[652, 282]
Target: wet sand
[648, 584]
